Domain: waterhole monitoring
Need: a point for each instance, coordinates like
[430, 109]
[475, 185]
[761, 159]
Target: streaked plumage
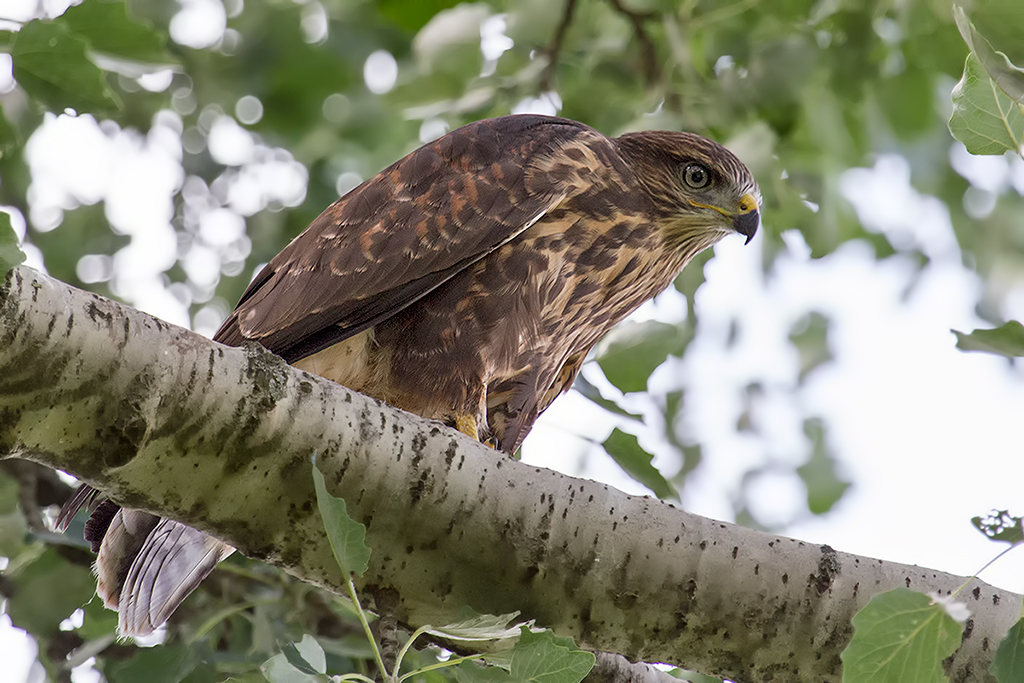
[464, 283]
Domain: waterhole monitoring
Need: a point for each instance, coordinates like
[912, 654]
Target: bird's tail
[146, 566]
[171, 563]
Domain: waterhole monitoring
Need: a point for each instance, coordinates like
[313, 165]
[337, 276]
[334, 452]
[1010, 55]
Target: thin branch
[454, 661]
[555, 49]
[648, 55]
[366, 627]
[50, 490]
[386, 602]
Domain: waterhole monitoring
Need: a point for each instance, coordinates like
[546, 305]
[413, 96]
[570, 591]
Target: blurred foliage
[825, 485]
[1005, 340]
[11, 254]
[803, 90]
[632, 351]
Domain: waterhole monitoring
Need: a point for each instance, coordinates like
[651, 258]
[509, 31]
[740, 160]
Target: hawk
[465, 283]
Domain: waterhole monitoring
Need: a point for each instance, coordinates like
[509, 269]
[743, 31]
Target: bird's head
[701, 190]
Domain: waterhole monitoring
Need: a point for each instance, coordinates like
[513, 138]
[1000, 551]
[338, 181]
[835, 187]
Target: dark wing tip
[84, 496]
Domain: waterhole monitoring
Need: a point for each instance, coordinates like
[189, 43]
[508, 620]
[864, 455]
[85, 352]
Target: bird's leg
[467, 425]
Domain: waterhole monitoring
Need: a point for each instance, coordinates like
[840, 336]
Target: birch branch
[168, 421]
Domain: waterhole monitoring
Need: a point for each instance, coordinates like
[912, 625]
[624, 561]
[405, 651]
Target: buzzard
[465, 283]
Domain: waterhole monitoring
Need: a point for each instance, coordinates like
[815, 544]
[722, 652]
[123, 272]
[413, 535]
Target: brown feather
[399, 236]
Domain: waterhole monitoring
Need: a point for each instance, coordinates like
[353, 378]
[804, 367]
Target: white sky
[929, 435]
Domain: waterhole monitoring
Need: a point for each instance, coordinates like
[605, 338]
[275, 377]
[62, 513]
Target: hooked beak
[746, 221]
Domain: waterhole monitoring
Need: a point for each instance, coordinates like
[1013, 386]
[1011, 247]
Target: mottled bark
[168, 421]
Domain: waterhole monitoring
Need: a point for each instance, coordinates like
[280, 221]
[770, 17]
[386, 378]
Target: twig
[386, 602]
[648, 55]
[547, 76]
[366, 626]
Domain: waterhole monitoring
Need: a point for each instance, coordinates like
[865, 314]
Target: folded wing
[382, 247]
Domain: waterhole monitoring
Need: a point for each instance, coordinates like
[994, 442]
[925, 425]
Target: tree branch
[220, 438]
[648, 55]
[555, 49]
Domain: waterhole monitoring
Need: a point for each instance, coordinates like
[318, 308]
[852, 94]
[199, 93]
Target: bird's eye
[697, 176]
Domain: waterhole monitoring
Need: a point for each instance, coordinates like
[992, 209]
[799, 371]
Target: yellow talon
[467, 425]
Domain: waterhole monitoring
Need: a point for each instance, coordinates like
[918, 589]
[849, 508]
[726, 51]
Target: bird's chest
[562, 285]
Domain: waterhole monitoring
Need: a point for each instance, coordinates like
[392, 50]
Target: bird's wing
[400, 235]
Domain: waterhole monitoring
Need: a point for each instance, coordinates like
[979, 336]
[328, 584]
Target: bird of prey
[465, 283]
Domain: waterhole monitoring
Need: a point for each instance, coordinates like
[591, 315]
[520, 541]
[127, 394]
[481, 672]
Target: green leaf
[306, 655]
[347, 536]
[544, 658]
[1006, 340]
[278, 669]
[50, 63]
[11, 255]
[631, 352]
[1008, 664]
[625, 449]
[824, 485]
[106, 26]
[476, 672]
[589, 391]
[479, 627]
[1000, 525]
[900, 636]
[1000, 69]
[165, 664]
[984, 118]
